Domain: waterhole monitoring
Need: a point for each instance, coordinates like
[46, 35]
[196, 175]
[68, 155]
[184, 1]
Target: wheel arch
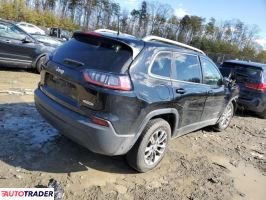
[34, 63]
[166, 114]
[234, 102]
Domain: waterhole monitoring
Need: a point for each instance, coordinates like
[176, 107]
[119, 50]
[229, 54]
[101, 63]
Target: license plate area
[66, 88]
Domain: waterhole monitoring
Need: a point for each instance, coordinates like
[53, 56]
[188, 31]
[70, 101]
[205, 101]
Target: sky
[249, 11]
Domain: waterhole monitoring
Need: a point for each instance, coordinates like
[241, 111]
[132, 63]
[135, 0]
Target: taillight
[257, 86]
[262, 87]
[107, 80]
[252, 85]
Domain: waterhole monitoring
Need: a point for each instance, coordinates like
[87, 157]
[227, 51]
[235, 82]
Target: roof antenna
[118, 28]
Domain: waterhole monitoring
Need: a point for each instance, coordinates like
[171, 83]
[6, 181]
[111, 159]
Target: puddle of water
[247, 179]
[250, 182]
[30, 130]
[92, 177]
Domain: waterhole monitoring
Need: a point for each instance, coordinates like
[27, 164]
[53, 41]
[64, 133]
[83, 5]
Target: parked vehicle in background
[20, 49]
[116, 94]
[60, 33]
[30, 28]
[54, 42]
[251, 78]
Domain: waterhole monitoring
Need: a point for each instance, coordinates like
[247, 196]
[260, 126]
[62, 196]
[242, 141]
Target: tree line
[220, 40]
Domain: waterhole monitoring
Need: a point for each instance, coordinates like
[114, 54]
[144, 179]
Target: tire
[226, 118]
[262, 114]
[136, 156]
[39, 64]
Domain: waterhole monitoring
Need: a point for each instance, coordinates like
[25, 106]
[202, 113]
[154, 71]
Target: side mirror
[27, 39]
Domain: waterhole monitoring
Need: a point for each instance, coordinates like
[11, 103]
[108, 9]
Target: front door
[216, 101]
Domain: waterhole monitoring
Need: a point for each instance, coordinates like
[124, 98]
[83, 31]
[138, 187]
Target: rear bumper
[99, 139]
[256, 104]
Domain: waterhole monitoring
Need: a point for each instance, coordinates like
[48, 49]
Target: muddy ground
[200, 165]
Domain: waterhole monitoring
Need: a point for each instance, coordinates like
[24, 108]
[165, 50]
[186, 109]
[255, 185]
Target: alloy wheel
[155, 147]
[227, 115]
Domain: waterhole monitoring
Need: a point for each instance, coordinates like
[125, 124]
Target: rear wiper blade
[73, 62]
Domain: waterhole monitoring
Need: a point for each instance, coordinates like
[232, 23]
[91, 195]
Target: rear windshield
[95, 53]
[241, 70]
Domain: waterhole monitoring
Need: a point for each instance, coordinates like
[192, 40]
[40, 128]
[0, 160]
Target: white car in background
[30, 28]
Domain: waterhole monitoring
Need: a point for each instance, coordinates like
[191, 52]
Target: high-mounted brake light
[107, 80]
[93, 34]
[257, 86]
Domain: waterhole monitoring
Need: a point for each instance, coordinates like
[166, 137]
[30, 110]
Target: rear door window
[162, 65]
[187, 68]
[95, 52]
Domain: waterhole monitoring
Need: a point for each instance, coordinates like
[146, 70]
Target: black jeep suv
[251, 79]
[120, 95]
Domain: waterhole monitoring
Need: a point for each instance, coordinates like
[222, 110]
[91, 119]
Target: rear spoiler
[136, 46]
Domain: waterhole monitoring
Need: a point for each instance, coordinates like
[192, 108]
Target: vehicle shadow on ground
[28, 142]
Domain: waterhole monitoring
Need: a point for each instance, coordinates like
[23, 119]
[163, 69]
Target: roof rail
[164, 40]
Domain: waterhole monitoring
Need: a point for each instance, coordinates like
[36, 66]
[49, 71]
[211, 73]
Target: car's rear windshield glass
[241, 70]
[100, 54]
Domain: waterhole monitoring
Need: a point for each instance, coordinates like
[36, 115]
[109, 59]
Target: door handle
[7, 41]
[180, 91]
[210, 92]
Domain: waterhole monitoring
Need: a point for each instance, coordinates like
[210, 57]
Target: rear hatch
[249, 78]
[100, 58]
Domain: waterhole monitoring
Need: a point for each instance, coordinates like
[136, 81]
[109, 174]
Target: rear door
[189, 93]
[13, 50]
[216, 100]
